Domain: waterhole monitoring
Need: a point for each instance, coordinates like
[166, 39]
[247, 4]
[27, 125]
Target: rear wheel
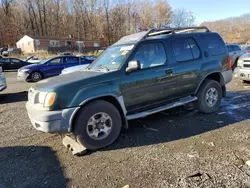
[209, 97]
[36, 76]
[97, 125]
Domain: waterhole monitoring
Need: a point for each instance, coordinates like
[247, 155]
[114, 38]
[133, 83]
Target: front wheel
[97, 125]
[209, 97]
[36, 76]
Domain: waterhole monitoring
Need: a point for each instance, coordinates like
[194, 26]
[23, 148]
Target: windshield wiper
[103, 67]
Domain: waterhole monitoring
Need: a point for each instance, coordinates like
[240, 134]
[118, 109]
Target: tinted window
[5, 60]
[230, 49]
[15, 60]
[236, 48]
[247, 48]
[215, 44]
[72, 60]
[194, 48]
[182, 49]
[151, 55]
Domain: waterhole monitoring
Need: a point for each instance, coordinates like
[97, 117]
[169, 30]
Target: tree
[183, 18]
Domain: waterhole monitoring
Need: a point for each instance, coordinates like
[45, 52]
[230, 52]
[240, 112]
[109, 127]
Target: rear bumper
[50, 121]
[3, 84]
[227, 75]
[242, 73]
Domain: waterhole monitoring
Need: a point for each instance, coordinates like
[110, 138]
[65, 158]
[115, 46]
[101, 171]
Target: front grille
[246, 65]
[246, 60]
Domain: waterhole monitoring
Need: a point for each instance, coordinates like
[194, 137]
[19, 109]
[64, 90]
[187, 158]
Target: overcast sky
[210, 10]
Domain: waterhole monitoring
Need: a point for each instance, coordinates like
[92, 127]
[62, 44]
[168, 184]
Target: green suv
[140, 75]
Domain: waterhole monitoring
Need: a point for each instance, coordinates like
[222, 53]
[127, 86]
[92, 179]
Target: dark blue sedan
[49, 68]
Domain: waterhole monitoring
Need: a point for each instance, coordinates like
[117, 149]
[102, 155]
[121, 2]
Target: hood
[74, 69]
[64, 79]
[245, 57]
[32, 66]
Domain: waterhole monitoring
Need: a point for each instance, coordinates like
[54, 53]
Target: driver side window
[56, 61]
[150, 55]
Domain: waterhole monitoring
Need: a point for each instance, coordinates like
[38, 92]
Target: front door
[16, 63]
[154, 83]
[54, 67]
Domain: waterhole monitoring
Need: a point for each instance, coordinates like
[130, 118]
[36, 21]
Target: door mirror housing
[133, 66]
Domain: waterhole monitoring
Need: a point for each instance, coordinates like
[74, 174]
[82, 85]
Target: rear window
[215, 45]
[185, 49]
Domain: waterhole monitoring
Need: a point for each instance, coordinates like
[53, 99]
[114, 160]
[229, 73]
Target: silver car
[3, 84]
[242, 71]
[234, 52]
[74, 69]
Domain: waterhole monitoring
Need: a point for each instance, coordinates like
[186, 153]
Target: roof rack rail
[169, 30]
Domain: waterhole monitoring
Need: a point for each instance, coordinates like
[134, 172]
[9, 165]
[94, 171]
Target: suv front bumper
[50, 121]
[242, 73]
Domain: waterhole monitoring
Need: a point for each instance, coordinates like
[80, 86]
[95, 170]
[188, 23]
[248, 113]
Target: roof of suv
[159, 33]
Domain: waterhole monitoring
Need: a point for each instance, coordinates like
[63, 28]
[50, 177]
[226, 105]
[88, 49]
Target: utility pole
[78, 38]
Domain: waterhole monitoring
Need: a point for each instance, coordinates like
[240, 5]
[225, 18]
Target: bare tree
[183, 18]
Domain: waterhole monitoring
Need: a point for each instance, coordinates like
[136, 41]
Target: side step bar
[181, 102]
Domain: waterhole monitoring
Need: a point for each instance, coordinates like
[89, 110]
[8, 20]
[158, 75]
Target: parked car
[12, 63]
[33, 59]
[247, 50]
[140, 75]
[3, 84]
[74, 69]
[3, 49]
[89, 59]
[14, 51]
[235, 52]
[243, 69]
[48, 68]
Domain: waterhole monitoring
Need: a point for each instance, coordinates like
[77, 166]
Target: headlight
[49, 99]
[240, 62]
[23, 70]
[41, 97]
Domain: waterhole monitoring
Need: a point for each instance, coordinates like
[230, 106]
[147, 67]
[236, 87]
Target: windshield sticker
[127, 48]
[125, 52]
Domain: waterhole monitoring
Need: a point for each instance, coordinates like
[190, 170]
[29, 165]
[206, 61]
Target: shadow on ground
[182, 123]
[30, 167]
[13, 97]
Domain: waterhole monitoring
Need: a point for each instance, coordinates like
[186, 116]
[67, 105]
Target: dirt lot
[178, 148]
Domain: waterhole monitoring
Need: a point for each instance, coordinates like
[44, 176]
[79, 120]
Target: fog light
[242, 75]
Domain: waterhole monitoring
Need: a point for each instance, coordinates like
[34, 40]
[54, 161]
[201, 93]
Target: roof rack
[169, 30]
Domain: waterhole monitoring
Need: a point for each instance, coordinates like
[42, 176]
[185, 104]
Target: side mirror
[133, 66]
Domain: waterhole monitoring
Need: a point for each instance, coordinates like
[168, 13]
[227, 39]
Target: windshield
[112, 58]
[42, 61]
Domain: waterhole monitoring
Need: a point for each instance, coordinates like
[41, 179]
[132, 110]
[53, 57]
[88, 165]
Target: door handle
[168, 71]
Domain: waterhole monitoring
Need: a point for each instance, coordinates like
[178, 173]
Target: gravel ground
[177, 148]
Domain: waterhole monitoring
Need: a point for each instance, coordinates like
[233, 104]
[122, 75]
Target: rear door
[187, 55]
[71, 61]
[5, 63]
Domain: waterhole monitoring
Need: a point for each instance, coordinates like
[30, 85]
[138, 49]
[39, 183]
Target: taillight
[229, 66]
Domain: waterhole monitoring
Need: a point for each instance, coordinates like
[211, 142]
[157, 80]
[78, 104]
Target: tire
[83, 128]
[36, 76]
[209, 105]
